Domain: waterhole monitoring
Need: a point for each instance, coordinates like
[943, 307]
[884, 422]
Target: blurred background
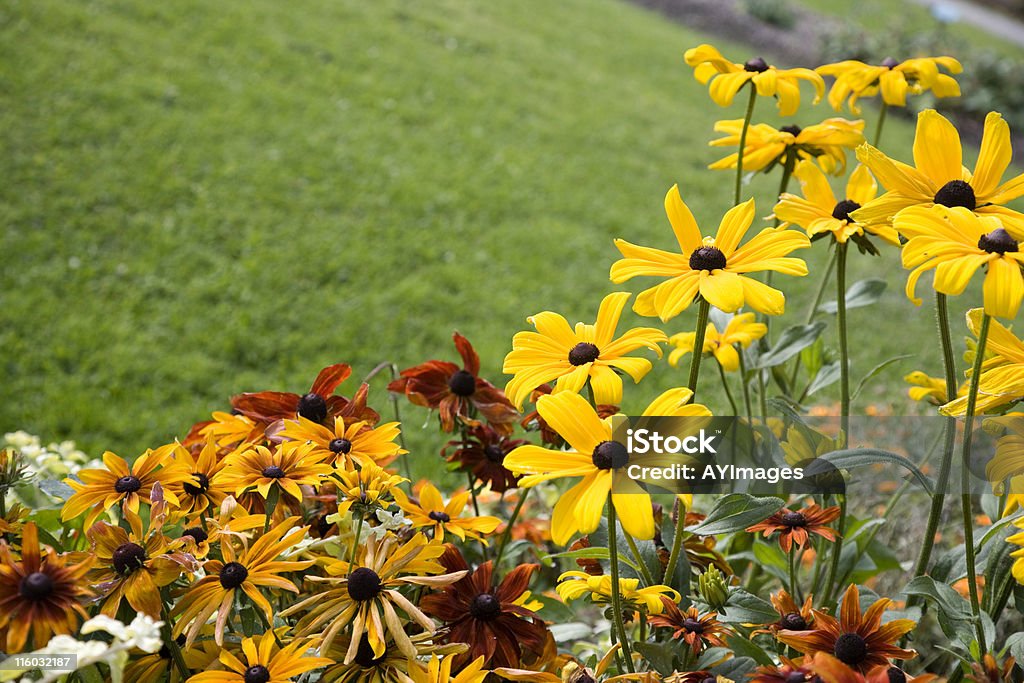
[200, 199]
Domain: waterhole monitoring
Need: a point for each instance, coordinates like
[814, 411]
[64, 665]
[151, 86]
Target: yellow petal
[635, 514]
[608, 317]
[683, 224]
[994, 156]
[574, 419]
[1003, 288]
[722, 289]
[861, 187]
[734, 226]
[763, 298]
[953, 276]
[937, 151]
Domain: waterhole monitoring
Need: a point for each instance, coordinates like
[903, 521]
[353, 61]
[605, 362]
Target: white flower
[143, 632]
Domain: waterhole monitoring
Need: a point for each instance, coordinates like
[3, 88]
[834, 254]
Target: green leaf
[861, 293]
[813, 357]
[1015, 645]
[746, 608]
[859, 457]
[953, 611]
[746, 647]
[793, 341]
[735, 512]
[828, 375]
[662, 656]
[874, 372]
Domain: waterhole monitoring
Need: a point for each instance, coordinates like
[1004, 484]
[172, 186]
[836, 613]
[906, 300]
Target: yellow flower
[956, 243]
[439, 670]
[288, 466]
[728, 77]
[590, 352]
[820, 213]
[893, 78]
[1002, 373]
[1018, 563]
[431, 511]
[595, 456]
[714, 267]
[1008, 461]
[926, 388]
[348, 443]
[675, 403]
[938, 176]
[573, 585]
[741, 330]
[766, 146]
[265, 662]
[368, 487]
[200, 494]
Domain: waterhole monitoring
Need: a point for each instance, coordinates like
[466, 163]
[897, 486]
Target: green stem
[746, 391]
[813, 310]
[725, 385]
[357, 517]
[880, 123]
[613, 557]
[507, 534]
[837, 551]
[645, 573]
[844, 349]
[271, 503]
[703, 311]
[792, 570]
[965, 496]
[677, 544]
[172, 644]
[743, 142]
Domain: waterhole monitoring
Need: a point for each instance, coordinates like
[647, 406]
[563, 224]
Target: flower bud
[712, 587]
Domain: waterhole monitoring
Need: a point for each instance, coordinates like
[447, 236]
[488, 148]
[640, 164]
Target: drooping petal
[1003, 288]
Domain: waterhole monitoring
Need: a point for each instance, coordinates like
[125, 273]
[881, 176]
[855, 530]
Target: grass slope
[206, 198]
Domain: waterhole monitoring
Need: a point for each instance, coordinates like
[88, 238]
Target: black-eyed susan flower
[365, 594]
[938, 176]
[430, 511]
[796, 526]
[246, 571]
[1002, 372]
[483, 453]
[200, 493]
[826, 142]
[101, 489]
[595, 456]
[892, 78]
[288, 466]
[859, 640]
[349, 443]
[157, 666]
[742, 330]
[487, 617]
[456, 392]
[675, 403]
[265, 662]
[369, 487]
[717, 268]
[439, 670]
[228, 430]
[956, 243]
[40, 594]
[728, 77]
[792, 617]
[575, 356]
[317, 404]
[819, 667]
[696, 630]
[391, 667]
[924, 387]
[573, 585]
[821, 213]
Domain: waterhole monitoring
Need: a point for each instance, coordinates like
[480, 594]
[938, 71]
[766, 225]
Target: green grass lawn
[201, 199]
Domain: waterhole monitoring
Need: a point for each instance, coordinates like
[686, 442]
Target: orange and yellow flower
[288, 466]
[431, 512]
[265, 662]
[349, 443]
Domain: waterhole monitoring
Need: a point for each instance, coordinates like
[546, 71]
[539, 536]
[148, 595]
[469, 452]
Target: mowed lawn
[203, 198]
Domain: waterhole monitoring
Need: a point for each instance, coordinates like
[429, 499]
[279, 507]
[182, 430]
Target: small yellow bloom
[432, 512]
[741, 330]
[368, 487]
[573, 585]
[894, 79]
[728, 77]
[765, 146]
[288, 466]
[1008, 461]
[926, 388]
[439, 670]
[264, 661]
[716, 268]
[1002, 372]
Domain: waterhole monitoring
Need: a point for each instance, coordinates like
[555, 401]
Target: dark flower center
[312, 406]
[128, 557]
[890, 62]
[36, 586]
[440, 517]
[998, 242]
[896, 675]
[610, 455]
[844, 209]
[794, 621]
[485, 606]
[197, 489]
[232, 575]
[957, 193]
[129, 484]
[165, 652]
[342, 446]
[757, 65]
[363, 584]
[196, 533]
[583, 353]
[851, 649]
[707, 258]
[494, 453]
[256, 674]
[796, 677]
[709, 679]
[792, 130]
[365, 656]
[693, 625]
[794, 519]
[462, 383]
[273, 472]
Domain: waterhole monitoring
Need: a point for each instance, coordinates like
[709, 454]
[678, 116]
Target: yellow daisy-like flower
[574, 356]
[230, 431]
[938, 176]
[1018, 563]
[439, 670]
[432, 512]
[820, 213]
[200, 494]
[926, 388]
[956, 243]
[1002, 372]
[765, 146]
[728, 77]
[367, 487]
[595, 456]
[265, 662]
[893, 78]
[573, 585]
[1008, 462]
[347, 444]
[675, 403]
[741, 330]
[714, 267]
[290, 465]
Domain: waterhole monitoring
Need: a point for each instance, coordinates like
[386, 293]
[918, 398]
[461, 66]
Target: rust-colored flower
[317, 404]
[797, 526]
[894, 674]
[483, 453]
[858, 640]
[456, 392]
[820, 667]
[485, 617]
[695, 630]
[990, 671]
[792, 617]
